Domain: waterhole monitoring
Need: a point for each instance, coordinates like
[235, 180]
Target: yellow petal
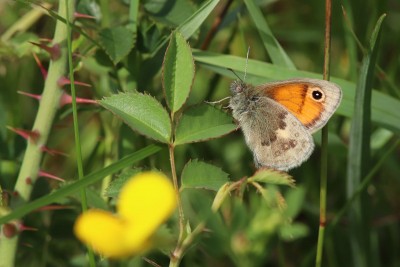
[145, 201]
[103, 232]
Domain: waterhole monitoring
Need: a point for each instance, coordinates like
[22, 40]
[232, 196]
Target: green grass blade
[365, 182]
[275, 51]
[359, 152]
[385, 109]
[193, 23]
[85, 181]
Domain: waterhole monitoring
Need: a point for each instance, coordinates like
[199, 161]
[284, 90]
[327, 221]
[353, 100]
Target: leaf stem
[178, 198]
[223, 192]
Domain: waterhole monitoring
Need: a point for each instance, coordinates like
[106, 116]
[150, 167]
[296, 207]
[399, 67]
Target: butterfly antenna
[245, 69]
[247, 62]
[234, 73]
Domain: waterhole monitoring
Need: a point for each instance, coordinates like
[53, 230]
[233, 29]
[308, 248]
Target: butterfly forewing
[311, 101]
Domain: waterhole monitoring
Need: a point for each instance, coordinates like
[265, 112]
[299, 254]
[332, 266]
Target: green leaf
[359, 156]
[359, 150]
[196, 20]
[93, 198]
[295, 201]
[178, 72]
[274, 49]
[202, 122]
[169, 12]
[117, 42]
[82, 183]
[193, 23]
[385, 109]
[115, 186]
[142, 113]
[290, 232]
[197, 174]
[271, 176]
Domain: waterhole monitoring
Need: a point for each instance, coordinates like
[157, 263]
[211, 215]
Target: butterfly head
[238, 87]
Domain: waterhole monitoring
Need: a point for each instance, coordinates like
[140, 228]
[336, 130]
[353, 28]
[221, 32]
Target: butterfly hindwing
[276, 138]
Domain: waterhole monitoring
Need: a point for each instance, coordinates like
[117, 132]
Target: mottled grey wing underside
[276, 137]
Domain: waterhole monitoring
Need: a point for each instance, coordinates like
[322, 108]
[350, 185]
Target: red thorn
[22, 227]
[27, 245]
[28, 180]
[63, 81]
[15, 194]
[47, 40]
[42, 69]
[54, 51]
[31, 135]
[54, 207]
[66, 99]
[52, 152]
[10, 230]
[37, 97]
[50, 176]
[322, 223]
[83, 16]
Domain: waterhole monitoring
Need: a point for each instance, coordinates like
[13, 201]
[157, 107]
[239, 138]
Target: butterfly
[278, 118]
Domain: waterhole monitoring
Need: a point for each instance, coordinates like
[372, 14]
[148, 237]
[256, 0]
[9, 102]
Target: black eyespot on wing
[317, 94]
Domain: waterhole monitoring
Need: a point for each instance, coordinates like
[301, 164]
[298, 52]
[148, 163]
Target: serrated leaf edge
[288, 177]
[137, 131]
[162, 75]
[132, 44]
[199, 187]
[204, 139]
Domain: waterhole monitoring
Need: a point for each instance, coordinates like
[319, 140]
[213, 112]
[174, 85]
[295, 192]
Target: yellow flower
[145, 202]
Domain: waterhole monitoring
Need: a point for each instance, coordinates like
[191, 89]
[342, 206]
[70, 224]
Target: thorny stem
[48, 107]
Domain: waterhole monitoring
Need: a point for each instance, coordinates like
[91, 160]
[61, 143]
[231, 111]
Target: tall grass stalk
[78, 148]
[324, 142]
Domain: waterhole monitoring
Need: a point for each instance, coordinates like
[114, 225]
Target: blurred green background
[299, 28]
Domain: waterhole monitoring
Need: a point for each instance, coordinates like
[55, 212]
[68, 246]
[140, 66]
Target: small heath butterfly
[278, 118]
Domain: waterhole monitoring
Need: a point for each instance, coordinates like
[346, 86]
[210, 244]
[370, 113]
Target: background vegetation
[244, 232]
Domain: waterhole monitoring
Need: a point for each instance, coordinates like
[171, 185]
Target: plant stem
[324, 143]
[178, 198]
[217, 22]
[78, 148]
[74, 112]
[223, 192]
[48, 107]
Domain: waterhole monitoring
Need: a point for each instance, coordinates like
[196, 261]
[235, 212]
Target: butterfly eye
[317, 95]
[237, 87]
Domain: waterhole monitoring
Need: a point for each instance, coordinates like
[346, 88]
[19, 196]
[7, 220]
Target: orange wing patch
[297, 98]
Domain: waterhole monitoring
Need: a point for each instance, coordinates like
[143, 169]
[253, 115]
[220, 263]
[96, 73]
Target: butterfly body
[278, 118]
